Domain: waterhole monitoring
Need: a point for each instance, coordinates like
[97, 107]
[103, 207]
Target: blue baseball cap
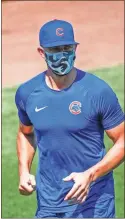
[56, 33]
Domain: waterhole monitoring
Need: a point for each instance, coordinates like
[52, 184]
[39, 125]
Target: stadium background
[99, 27]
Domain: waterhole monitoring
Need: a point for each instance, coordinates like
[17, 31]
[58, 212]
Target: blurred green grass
[16, 206]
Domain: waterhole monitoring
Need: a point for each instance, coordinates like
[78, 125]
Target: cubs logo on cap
[59, 32]
[75, 107]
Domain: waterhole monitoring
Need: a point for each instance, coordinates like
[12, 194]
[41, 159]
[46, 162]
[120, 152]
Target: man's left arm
[115, 155]
[112, 119]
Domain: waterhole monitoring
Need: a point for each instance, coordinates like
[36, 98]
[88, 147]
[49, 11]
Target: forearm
[25, 151]
[111, 160]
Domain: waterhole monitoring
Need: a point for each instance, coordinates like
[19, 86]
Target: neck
[57, 82]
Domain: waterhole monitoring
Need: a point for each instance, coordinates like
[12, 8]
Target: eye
[68, 47]
[54, 49]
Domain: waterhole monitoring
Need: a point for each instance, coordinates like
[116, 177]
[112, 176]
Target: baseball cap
[56, 33]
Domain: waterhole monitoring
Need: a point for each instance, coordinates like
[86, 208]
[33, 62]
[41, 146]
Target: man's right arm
[26, 147]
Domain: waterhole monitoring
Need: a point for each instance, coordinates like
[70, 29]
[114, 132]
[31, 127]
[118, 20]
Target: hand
[27, 184]
[80, 189]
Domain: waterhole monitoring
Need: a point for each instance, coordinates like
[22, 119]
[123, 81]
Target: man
[68, 110]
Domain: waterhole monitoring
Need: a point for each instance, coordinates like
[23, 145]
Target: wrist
[23, 170]
[95, 172]
[24, 175]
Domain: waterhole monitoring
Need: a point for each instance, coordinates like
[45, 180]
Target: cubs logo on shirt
[75, 107]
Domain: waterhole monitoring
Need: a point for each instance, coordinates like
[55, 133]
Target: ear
[41, 52]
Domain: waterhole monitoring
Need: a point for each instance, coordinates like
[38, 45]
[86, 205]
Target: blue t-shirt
[69, 126]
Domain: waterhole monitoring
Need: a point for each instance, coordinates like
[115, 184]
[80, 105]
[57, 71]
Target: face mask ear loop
[44, 57]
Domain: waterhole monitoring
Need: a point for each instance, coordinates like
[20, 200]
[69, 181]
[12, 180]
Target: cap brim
[59, 43]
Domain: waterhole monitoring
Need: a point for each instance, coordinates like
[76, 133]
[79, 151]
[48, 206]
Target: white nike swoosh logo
[38, 109]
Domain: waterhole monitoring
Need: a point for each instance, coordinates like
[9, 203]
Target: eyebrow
[58, 47]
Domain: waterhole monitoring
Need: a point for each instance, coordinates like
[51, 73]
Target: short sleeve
[110, 110]
[20, 103]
